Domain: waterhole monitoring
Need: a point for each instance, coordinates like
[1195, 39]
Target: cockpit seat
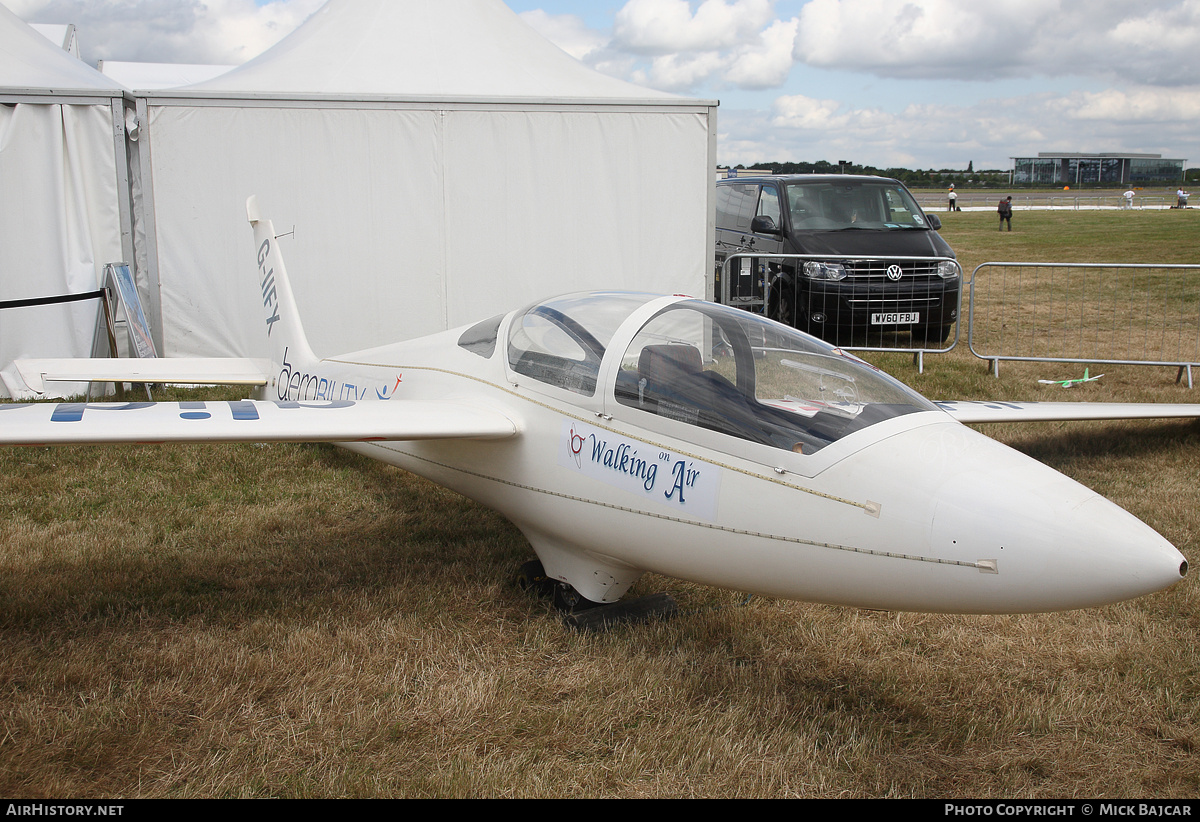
[664, 365]
[665, 373]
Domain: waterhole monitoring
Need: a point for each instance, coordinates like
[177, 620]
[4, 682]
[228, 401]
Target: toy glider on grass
[1074, 382]
[626, 433]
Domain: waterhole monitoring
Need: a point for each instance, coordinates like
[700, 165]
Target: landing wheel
[581, 613]
[569, 601]
[531, 577]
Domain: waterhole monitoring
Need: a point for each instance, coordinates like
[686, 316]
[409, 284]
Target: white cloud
[1143, 51]
[1153, 41]
[1126, 74]
[907, 39]
[766, 62]
[987, 132]
[1170, 107]
[668, 26]
[678, 46]
[680, 72]
[800, 112]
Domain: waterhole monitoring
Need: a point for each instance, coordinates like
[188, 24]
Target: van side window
[735, 206]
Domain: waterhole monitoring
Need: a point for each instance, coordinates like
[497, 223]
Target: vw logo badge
[893, 272]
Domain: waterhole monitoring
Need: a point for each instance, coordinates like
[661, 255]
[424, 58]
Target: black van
[854, 219]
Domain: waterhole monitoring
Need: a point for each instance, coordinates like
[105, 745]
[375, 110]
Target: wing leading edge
[247, 421]
[993, 411]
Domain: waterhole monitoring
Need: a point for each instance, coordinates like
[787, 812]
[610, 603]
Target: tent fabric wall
[58, 233]
[410, 221]
[361, 258]
[568, 201]
[61, 209]
[440, 162]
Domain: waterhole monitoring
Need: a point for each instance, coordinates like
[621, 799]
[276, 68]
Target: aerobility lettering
[650, 472]
[293, 384]
[267, 283]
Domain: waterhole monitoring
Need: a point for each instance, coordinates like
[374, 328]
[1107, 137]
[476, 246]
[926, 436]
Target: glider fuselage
[914, 512]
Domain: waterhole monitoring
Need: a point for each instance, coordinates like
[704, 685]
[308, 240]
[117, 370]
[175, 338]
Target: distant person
[1128, 195]
[1005, 212]
[1181, 198]
[953, 197]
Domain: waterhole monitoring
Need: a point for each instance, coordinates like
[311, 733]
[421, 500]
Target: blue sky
[929, 83]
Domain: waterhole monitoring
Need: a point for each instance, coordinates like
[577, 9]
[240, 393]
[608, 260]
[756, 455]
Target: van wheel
[783, 308]
[931, 333]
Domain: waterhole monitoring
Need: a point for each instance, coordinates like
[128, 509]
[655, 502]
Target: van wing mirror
[762, 224]
[935, 222]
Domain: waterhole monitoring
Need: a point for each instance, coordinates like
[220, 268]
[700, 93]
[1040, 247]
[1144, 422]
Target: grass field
[295, 621]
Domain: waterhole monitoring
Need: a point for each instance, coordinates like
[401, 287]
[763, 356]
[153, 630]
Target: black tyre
[924, 334]
[785, 308]
[531, 577]
[569, 601]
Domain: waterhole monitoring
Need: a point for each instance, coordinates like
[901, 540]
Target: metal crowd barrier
[750, 288]
[976, 200]
[1095, 313]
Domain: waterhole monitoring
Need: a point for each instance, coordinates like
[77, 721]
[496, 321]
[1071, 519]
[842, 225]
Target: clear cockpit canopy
[561, 341]
[715, 367]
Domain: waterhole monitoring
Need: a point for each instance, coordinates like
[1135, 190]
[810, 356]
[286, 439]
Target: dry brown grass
[251, 621]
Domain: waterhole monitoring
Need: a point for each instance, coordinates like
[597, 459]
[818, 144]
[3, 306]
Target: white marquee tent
[65, 204]
[439, 161]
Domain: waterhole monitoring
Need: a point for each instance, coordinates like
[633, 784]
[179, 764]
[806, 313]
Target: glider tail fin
[288, 345]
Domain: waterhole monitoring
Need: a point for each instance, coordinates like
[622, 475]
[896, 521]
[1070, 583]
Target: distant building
[724, 172]
[1118, 169]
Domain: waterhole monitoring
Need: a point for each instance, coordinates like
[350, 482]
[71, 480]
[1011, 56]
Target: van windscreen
[826, 206]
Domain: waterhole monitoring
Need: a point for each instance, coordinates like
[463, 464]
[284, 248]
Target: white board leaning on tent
[443, 162]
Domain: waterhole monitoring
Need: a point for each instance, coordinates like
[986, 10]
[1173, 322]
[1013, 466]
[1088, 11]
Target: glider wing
[248, 421]
[989, 411]
[182, 371]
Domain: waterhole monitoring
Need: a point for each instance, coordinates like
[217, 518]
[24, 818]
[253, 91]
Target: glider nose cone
[1116, 555]
[1048, 543]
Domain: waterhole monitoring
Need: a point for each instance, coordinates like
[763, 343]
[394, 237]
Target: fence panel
[884, 303]
[969, 200]
[1133, 314]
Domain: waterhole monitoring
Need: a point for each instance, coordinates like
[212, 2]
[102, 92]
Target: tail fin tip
[286, 340]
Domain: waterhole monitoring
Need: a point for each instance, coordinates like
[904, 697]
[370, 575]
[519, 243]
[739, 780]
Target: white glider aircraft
[625, 433]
